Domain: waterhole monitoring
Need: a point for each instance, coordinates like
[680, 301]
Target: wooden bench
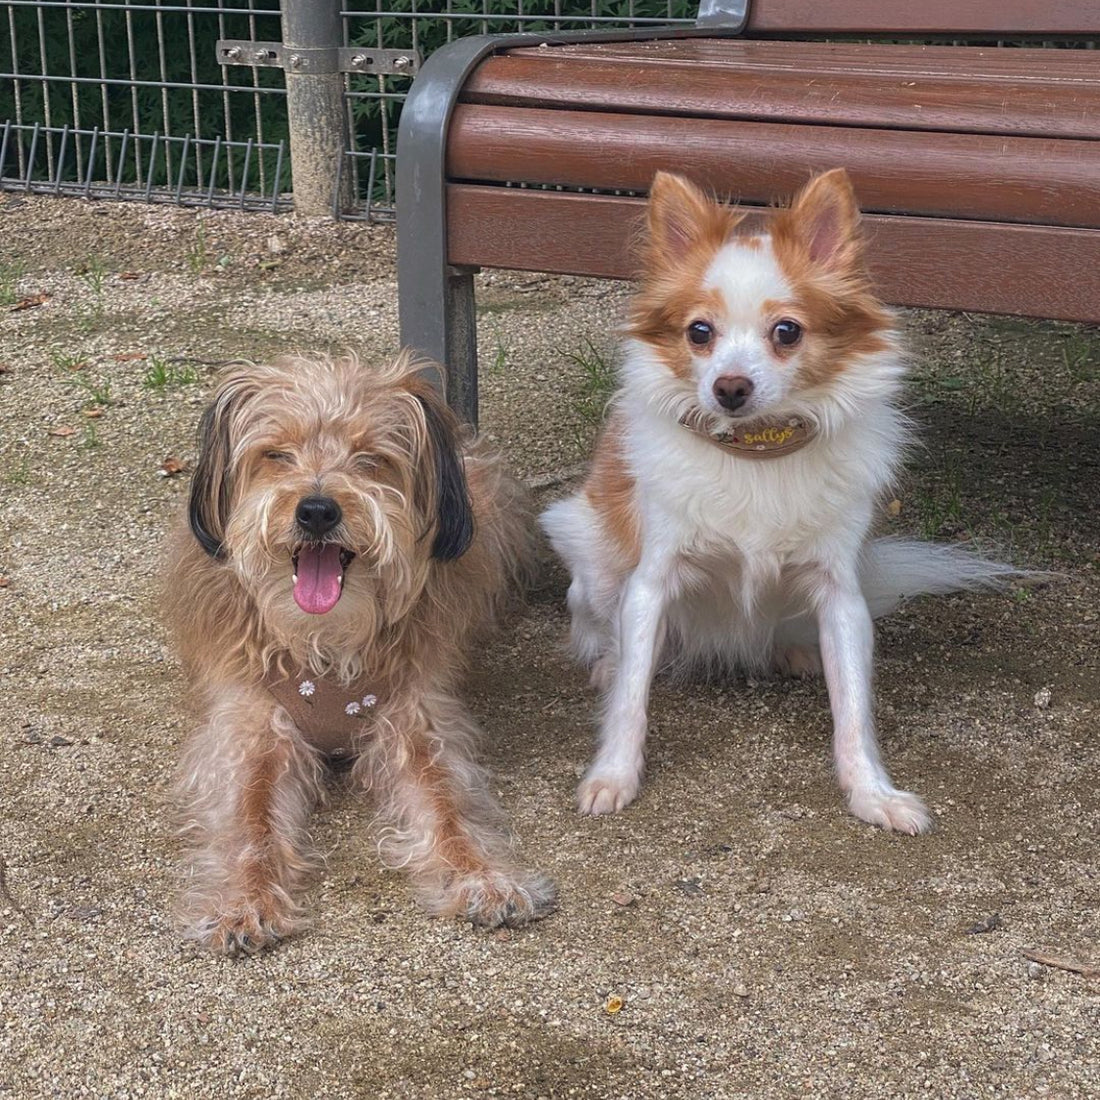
[978, 165]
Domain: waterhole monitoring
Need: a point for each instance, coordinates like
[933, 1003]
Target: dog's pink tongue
[318, 586]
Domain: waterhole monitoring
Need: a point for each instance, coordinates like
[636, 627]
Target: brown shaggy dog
[342, 549]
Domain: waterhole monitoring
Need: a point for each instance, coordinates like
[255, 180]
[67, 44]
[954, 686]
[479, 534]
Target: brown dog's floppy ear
[212, 482]
[454, 513]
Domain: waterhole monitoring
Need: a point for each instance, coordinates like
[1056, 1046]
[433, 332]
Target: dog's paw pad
[897, 810]
[605, 793]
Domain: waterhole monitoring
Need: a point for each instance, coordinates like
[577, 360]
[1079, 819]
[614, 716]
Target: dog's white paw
[606, 792]
[799, 662]
[900, 811]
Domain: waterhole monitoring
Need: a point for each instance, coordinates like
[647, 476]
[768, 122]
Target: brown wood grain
[899, 58]
[969, 91]
[999, 19]
[1056, 182]
[1032, 271]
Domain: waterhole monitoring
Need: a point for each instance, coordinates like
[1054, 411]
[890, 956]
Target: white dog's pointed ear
[678, 214]
[682, 217]
[454, 514]
[824, 218]
[212, 482]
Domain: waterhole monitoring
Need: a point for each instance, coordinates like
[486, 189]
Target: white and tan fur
[438, 534]
[682, 553]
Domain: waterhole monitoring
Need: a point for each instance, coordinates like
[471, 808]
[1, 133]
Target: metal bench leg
[438, 318]
[436, 301]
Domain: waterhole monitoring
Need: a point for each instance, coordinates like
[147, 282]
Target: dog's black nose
[317, 515]
[732, 391]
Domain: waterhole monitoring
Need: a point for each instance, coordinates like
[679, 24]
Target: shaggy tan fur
[420, 586]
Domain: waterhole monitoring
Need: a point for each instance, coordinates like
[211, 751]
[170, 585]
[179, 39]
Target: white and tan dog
[342, 551]
[725, 519]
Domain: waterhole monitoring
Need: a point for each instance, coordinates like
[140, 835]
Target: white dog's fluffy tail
[895, 569]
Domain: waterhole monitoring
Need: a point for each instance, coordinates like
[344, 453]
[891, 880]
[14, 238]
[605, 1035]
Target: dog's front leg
[613, 779]
[247, 784]
[442, 823]
[847, 653]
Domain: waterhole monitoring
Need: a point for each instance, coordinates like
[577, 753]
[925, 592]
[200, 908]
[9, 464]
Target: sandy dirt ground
[761, 942]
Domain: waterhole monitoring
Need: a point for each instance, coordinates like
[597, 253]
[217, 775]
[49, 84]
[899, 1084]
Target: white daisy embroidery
[353, 708]
[306, 688]
[369, 700]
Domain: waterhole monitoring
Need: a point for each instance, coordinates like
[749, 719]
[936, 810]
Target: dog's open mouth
[319, 569]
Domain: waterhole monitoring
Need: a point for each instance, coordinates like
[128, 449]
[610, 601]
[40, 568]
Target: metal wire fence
[126, 99]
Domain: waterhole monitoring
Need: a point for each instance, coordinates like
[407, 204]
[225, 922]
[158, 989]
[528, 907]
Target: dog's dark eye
[700, 333]
[787, 333]
[277, 456]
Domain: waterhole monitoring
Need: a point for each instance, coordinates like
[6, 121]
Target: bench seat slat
[1040, 95]
[946, 175]
[1031, 271]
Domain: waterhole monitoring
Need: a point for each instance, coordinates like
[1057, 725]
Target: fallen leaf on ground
[689, 886]
[987, 924]
[613, 1004]
[4, 582]
[172, 466]
[4, 368]
[31, 301]
[894, 507]
[129, 275]
[64, 430]
[93, 414]
[623, 898]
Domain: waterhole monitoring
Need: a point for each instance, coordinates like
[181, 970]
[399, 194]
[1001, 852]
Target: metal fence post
[312, 37]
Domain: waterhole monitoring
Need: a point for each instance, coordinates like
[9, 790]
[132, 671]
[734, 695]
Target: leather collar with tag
[767, 437]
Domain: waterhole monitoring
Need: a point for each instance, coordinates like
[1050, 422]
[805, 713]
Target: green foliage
[11, 271]
[114, 44]
[597, 381]
[161, 374]
[78, 42]
[71, 369]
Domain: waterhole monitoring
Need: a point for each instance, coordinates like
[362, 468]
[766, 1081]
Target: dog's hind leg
[576, 532]
[796, 653]
[247, 785]
[441, 822]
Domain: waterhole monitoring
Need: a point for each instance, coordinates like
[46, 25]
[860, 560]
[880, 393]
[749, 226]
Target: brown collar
[764, 438]
[331, 716]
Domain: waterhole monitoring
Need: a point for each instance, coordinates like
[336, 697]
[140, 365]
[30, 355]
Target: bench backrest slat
[997, 19]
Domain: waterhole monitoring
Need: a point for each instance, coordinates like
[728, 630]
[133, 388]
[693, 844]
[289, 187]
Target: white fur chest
[767, 513]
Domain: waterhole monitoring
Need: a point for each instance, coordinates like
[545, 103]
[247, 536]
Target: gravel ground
[761, 942]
